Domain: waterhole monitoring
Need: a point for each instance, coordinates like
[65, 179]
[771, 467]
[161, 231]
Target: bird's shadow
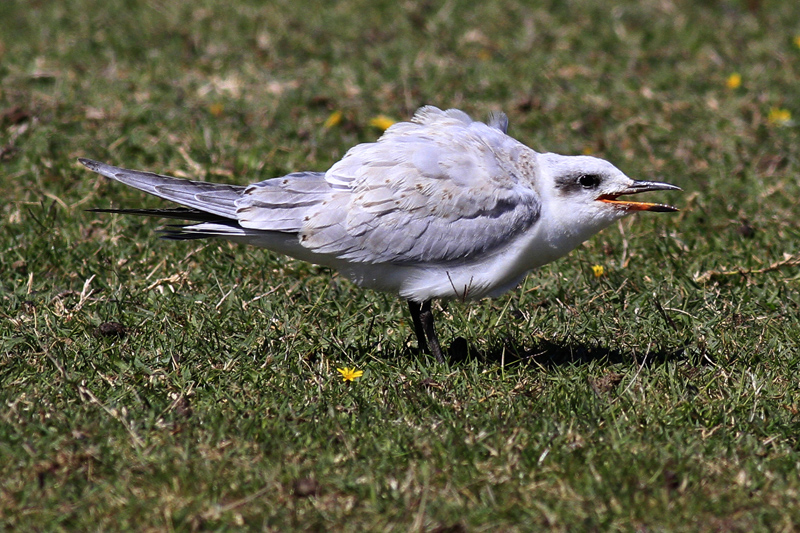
[546, 353]
[543, 353]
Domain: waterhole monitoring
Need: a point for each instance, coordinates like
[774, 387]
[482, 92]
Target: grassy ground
[662, 395]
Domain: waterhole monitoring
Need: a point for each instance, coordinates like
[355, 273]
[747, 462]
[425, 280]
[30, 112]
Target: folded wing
[438, 189]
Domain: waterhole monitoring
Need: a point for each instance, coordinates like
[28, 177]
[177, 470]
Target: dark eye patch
[577, 183]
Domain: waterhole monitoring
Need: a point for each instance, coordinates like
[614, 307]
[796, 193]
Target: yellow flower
[216, 109]
[797, 40]
[778, 116]
[349, 374]
[598, 270]
[333, 119]
[734, 81]
[382, 122]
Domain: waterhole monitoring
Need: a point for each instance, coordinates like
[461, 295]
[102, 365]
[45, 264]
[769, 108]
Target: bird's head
[583, 193]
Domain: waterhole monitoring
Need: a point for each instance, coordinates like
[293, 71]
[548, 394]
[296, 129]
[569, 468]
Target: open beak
[637, 187]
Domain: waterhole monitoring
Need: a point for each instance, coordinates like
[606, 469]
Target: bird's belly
[489, 275]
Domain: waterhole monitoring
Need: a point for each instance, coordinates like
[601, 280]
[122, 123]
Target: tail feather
[181, 213]
[214, 198]
[269, 213]
[226, 229]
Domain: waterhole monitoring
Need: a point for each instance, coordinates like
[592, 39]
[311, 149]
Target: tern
[440, 207]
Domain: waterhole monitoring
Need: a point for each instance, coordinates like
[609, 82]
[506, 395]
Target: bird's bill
[637, 187]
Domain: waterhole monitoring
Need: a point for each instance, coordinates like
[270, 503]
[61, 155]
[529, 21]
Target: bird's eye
[589, 181]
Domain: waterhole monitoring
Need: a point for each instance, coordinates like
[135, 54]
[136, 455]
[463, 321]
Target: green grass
[652, 398]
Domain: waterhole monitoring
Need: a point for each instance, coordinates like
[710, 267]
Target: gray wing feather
[498, 120]
[281, 204]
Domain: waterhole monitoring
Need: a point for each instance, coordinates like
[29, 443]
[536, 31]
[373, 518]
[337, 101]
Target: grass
[660, 396]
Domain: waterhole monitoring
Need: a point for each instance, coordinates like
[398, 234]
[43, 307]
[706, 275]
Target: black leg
[422, 344]
[422, 316]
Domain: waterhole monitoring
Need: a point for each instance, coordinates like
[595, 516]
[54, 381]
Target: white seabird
[439, 207]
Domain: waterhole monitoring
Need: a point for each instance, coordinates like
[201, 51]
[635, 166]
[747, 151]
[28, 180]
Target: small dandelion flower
[349, 374]
[216, 109]
[797, 41]
[734, 81]
[382, 122]
[598, 270]
[587, 150]
[333, 120]
[779, 117]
